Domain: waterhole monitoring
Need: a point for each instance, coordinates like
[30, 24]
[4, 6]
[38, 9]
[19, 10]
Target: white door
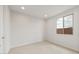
[4, 29]
[1, 29]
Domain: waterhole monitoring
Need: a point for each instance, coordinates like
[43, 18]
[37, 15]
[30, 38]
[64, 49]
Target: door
[4, 29]
[1, 29]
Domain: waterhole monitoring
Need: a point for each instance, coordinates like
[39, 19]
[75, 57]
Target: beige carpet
[40, 48]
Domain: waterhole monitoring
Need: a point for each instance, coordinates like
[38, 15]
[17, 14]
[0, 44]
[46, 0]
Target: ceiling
[41, 10]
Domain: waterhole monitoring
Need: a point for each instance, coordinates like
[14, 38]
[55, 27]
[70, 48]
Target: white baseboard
[69, 48]
[27, 43]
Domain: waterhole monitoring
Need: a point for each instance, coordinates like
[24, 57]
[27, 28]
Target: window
[60, 23]
[60, 26]
[64, 25]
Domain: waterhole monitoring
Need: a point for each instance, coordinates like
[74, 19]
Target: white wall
[70, 41]
[25, 29]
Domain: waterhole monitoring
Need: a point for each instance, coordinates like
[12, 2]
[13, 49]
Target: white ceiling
[40, 10]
